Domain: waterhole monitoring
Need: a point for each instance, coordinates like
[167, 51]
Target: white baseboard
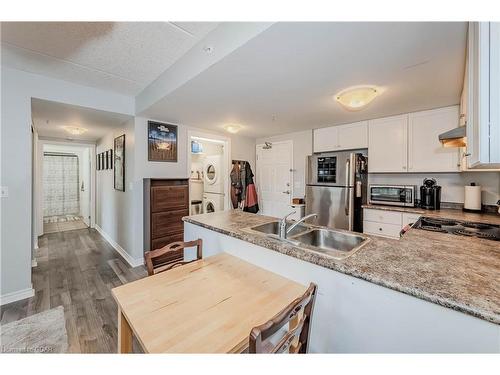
[133, 262]
[17, 296]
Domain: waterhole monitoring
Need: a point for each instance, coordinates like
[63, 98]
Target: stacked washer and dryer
[213, 184]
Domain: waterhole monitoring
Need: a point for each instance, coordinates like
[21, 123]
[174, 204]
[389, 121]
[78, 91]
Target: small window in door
[211, 172]
[210, 207]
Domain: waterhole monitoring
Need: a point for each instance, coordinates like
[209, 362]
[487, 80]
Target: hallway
[77, 269]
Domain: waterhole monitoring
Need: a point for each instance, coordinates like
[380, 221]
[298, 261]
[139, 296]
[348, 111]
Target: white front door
[274, 178]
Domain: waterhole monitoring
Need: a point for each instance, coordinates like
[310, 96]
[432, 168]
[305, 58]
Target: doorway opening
[66, 183]
[208, 173]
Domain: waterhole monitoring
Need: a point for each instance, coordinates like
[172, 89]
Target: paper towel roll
[472, 198]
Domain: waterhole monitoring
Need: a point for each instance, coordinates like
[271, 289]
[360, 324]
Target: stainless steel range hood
[454, 137]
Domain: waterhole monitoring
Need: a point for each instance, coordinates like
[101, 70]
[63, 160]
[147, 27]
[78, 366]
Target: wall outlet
[4, 191]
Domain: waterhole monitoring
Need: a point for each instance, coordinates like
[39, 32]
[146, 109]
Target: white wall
[17, 89]
[452, 183]
[302, 147]
[115, 214]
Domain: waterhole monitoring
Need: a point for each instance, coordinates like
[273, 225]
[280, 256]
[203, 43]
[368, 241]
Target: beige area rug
[53, 224]
[44, 332]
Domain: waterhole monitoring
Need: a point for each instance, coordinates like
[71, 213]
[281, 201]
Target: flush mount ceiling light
[75, 130]
[356, 97]
[233, 128]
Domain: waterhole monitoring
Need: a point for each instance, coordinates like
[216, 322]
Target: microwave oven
[394, 195]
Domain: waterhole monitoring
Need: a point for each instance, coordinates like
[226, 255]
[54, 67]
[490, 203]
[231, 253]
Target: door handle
[347, 173]
[286, 192]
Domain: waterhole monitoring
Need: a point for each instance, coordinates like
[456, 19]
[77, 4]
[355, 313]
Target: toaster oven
[394, 195]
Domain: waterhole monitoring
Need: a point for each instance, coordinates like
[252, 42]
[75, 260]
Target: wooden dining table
[207, 306]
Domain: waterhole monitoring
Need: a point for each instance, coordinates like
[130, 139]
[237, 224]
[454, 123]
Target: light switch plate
[4, 191]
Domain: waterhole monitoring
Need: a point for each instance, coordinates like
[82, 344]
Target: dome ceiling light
[356, 97]
[233, 128]
[75, 130]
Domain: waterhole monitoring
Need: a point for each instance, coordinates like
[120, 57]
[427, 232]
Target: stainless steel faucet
[283, 232]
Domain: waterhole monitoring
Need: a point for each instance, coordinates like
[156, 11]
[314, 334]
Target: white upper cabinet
[341, 137]
[353, 136]
[425, 152]
[325, 139]
[387, 144]
[483, 95]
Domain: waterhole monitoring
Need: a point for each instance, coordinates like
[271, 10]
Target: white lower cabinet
[386, 223]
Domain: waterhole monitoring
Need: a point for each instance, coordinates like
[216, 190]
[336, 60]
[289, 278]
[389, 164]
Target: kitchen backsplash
[452, 183]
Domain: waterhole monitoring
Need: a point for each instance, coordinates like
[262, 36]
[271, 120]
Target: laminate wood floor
[77, 269]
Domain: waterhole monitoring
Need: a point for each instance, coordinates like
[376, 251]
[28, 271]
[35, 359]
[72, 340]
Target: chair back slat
[297, 315]
[170, 256]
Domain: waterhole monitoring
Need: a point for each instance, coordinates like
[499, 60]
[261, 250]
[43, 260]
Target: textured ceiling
[118, 56]
[49, 118]
[284, 79]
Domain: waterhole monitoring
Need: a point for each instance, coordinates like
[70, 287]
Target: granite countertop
[457, 272]
[447, 213]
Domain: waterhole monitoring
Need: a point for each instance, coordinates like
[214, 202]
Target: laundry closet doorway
[209, 165]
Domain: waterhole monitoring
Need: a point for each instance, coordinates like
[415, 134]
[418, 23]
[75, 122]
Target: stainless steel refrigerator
[337, 188]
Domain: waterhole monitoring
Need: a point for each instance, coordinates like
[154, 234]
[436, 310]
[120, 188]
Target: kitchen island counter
[456, 272]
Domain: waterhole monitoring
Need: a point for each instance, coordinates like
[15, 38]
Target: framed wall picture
[99, 162]
[119, 162]
[97, 165]
[162, 142]
[110, 159]
[106, 159]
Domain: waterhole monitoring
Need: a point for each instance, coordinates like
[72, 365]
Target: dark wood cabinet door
[168, 222]
[166, 198]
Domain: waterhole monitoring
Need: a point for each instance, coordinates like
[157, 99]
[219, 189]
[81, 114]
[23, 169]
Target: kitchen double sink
[334, 243]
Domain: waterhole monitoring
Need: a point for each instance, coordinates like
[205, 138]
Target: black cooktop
[460, 228]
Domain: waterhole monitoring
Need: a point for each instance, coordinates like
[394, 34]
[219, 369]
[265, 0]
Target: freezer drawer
[330, 205]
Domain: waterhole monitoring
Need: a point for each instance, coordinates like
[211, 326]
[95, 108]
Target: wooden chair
[292, 339]
[170, 256]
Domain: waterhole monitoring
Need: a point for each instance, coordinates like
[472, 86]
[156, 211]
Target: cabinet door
[409, 218]
[425, 152]
[326, 139]
[169, 198]
[353, 136]
[387, 144]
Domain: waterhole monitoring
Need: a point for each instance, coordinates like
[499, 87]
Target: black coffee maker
[430, 195]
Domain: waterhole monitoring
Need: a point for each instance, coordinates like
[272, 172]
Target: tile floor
[54, 224]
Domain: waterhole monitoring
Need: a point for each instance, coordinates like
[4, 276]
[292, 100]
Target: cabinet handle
[404, 167]
[380, 229]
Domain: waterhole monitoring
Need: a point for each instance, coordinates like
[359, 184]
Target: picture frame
[162, 142]
[119, 162]
[110, 159]
[106, 162]
[99, 162]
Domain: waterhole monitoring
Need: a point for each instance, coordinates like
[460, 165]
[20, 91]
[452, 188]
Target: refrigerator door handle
[346, 205]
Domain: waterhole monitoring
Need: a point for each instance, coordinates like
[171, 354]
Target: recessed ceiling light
[75, 130]
[233, 128]
[356, 97]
